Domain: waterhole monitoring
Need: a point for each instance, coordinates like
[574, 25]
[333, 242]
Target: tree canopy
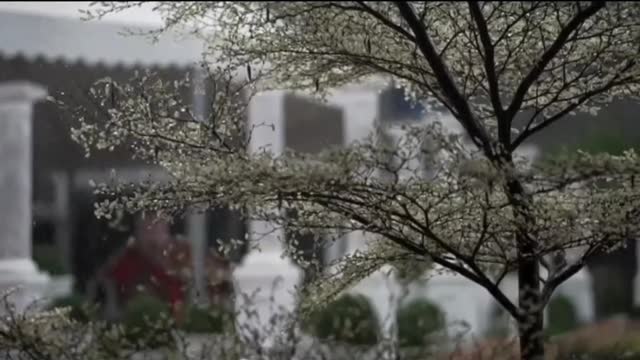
[504, 70]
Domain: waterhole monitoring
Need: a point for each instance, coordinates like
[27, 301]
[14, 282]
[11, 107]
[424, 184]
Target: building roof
[91, 42]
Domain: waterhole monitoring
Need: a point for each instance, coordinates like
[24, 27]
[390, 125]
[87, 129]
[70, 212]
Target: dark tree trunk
[530, 302]
[531, 325]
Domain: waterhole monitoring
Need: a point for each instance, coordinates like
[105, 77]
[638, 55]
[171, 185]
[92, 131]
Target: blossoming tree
[505, 70]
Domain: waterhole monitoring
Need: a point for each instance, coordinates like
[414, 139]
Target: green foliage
[212, 320]
[418, 320]
[562, 316]
[80, 309]
[602, 143]
[47, 257]
[609, 143]
[350, 319]
[147, 320]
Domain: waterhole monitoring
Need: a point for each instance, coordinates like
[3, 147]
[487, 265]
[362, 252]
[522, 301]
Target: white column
[196, 221]
[16, 266]
[578, 289]
[62, 217]
[265, 267]
[196, 231]
[360, 108]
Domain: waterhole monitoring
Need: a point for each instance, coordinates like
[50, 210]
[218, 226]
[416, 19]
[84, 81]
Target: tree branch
[492, 288]
[386, 21]
[556, 280]
[549, 55]
[504, 125]
[585, 97]
[465, 116]
[473, 273]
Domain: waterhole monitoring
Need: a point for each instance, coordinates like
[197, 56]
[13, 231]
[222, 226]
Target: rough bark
[531, 323]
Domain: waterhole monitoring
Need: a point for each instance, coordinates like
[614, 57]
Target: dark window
[309, 250]
[94, 240]
[224, 226]
[43, 232]
[45, 251]
[394, 106]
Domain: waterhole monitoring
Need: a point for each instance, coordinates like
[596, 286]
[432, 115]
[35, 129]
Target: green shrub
[48, 259]
[199, 320]
[417, 320]
[350, 319]
[147, 320]
[562, 316]
[80, 309]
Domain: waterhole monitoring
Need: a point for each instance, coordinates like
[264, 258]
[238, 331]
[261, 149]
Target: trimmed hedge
[562, 316]
[48, 259]
[145, 318]
[350, 319]
[206, 321]
[417, 320]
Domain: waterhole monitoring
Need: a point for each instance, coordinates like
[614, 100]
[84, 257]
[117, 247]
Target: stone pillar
[196, 230]
[361, 112]
[16, 266]
[310, 128]
[197, 221]
[360, 108]
[62, 217]
[264, 272]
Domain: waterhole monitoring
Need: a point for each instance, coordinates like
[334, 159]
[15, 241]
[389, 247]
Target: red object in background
[165, 265]
[133, 268]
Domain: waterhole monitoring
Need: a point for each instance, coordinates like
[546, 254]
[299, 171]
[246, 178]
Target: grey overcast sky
[142, 15]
